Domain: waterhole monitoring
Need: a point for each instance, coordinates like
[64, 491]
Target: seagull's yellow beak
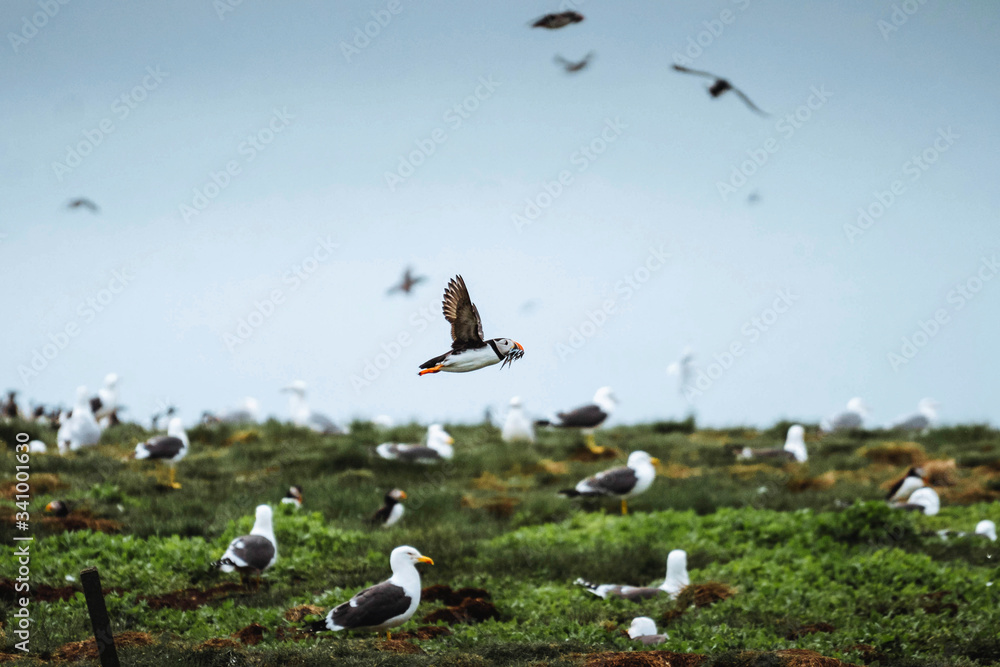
[655, 461]
[518, 346]
[425, 559]
[451, 440]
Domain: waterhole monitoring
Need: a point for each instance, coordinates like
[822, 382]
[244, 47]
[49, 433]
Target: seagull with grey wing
[556, 21]
[720, 86]
[629, 480]
[571, 66]
[83, 202]
[469, 350]
[253, 553]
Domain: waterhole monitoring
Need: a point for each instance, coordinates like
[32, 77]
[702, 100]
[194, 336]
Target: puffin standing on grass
[391, 511]
[382, 606]
[293, 497]
[629, 480]
[907, 484]
[469, 350]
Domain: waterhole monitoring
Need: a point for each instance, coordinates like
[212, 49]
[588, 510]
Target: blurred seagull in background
[675, 581]
[851, 418]
[517, 426]
[926, 414]
[794, 449]
[720, 86]
[439, 446]
[924, 500]
[80, 429]
[586, 418]
[303, 416]
[571, 66]
[247, 413]
[169, 448]
[407, 283]
[469, 350]
[643, 629]
[683, 368]
[556, 21]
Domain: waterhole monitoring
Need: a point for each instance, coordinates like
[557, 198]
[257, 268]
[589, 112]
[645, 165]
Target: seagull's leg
[592, 445]
[433, 369]
[388, 636]
[173, 480]
[624, 506]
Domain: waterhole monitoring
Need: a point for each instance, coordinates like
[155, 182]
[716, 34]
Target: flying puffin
[571, 66]
[382, 606]
[391, 511]
[469, 350]
[588, 417]
[556, 21]
[628, 480]
[169, 448]
[720, 86]
[407, 283]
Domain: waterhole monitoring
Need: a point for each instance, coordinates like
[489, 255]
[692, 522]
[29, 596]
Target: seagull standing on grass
[252, 554]
[794, 449]
[80, 429]
[629, 480]
[439, 446]
[305, 417]
[676, 580]
[643, 629]
[469, 350]
[517, 426]
[169, 448]
[382, 606]
[926, 415]
[851, 418]
[924, 500]
[588, 417]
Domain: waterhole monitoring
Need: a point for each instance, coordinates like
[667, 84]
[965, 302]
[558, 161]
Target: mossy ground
[821, 568]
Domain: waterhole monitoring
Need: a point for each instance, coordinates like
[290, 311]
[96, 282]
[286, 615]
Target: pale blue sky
[343, 125]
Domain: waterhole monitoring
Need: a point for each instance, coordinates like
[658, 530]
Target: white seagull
[643, 629]
[924, 500]
[252, 554]
[987, 529]
[80, 429]
[169, 448]
[926, 414]
[439, 446]
[683, 368]
[106, 401]
[794, 449]
[305, 417]
[851, 418]
[382, 606]
[517, 426]
[629, 480]
[676, 580]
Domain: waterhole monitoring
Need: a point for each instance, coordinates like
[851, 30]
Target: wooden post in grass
[99, 618]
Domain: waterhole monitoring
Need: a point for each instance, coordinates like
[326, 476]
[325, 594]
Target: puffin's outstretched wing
[753, 107]
[696, 72]
[466, 326]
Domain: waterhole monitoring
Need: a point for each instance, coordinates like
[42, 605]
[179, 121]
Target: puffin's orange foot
[433, 369]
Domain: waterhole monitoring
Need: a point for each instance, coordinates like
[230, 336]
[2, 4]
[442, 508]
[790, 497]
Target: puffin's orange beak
[518, 346]
[402, 495]
[49, 508]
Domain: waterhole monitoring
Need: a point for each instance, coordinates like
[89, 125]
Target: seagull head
[605, 399]
[641, 458]
[436, 433]
[987, 528]
[408, 555]
[928, 407]
[111, 380]
[642, 626]
[515, 402]
[175, 427]
[857, 405]
[796, 434]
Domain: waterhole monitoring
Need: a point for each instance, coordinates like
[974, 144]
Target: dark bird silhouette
[720, 86]
[83, 202]
[59, 508]
[8, 408]
[407, 283]
[571, 66]
[556, 21]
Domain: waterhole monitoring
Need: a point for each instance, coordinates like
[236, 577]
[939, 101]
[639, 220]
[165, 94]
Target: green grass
[798, 548]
